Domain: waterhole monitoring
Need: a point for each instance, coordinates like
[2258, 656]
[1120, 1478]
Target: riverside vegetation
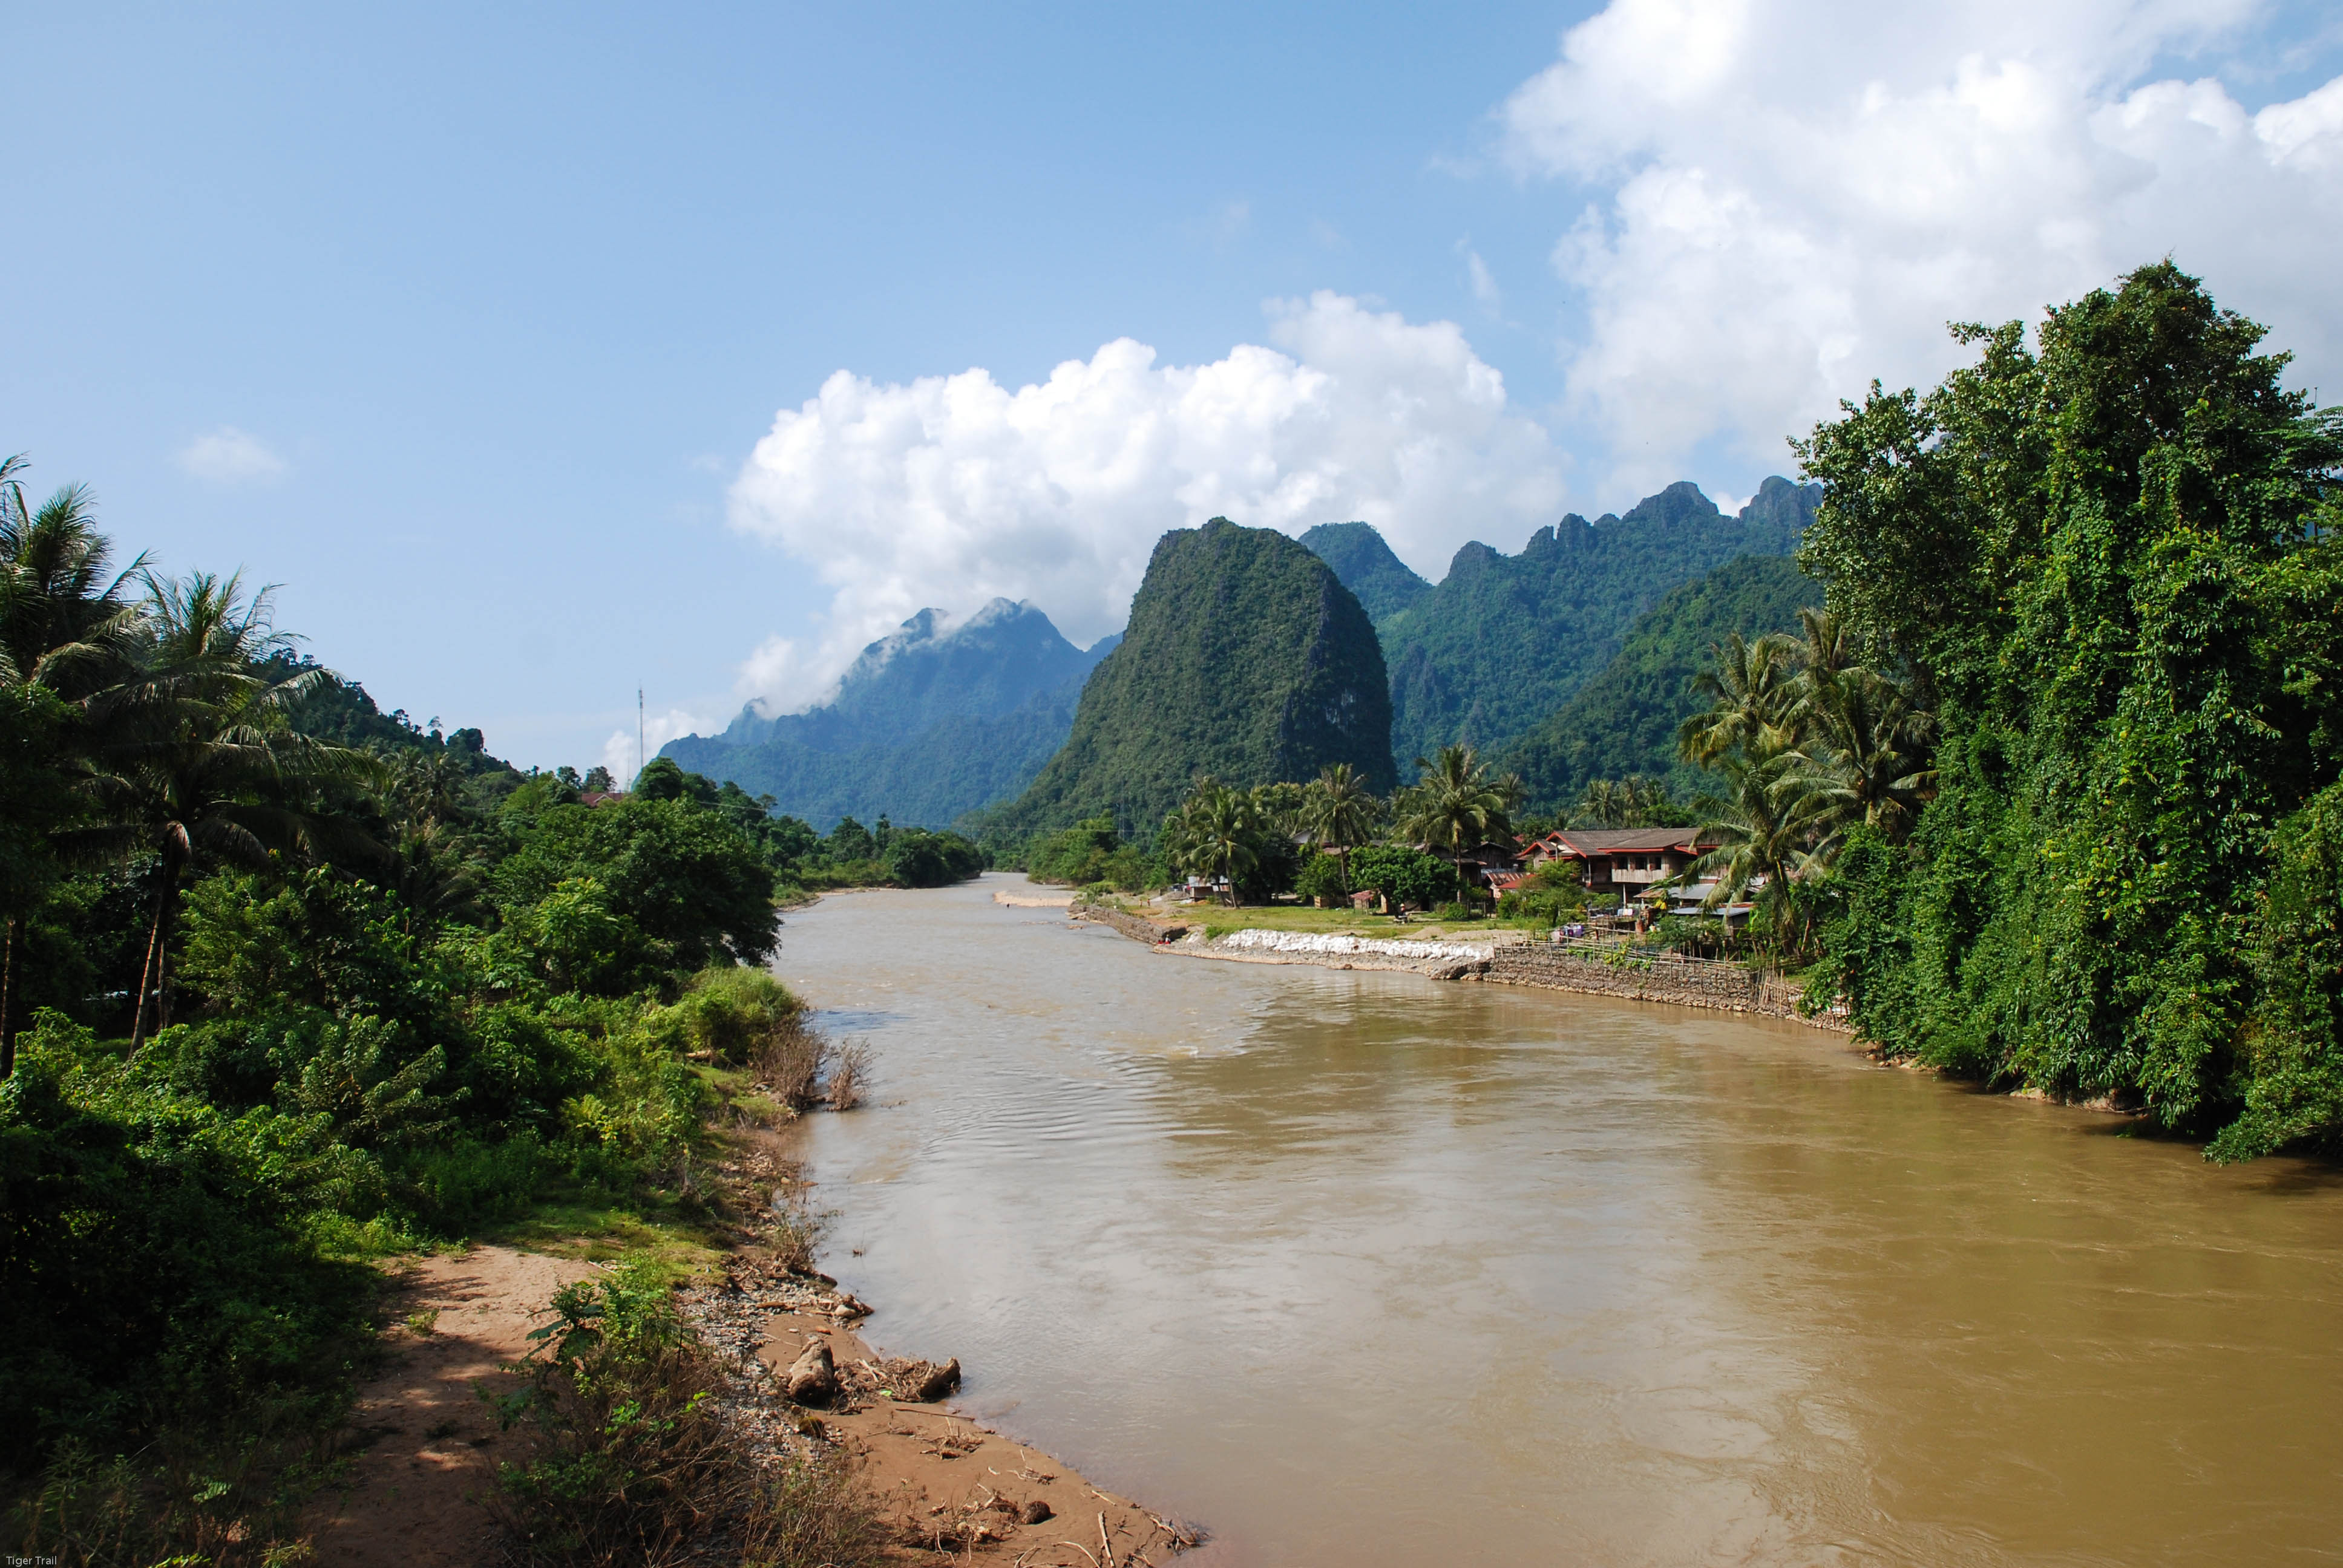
[2108, 565]
[2048, 795]
[291, 986]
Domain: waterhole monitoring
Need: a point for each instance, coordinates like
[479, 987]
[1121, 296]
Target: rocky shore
[803, 1376]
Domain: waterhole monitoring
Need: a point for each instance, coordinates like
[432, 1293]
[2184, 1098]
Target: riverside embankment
[1500, 958]
[1363, 1268]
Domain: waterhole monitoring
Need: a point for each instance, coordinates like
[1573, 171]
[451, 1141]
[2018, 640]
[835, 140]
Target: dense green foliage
[848, 856]
[1330, 838]
[275, 1002]
[1505, 640]
[1381, 580]
[1555, 895]
[1623, 722]
[1245, 659]
[930, 723]
[2111, 563]
[1403, 877]
[1090, 852]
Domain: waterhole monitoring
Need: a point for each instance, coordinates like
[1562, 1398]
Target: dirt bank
[947, 1487]
[428, 1444]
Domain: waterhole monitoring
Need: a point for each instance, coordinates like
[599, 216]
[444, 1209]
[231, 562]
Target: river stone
[813, 1377]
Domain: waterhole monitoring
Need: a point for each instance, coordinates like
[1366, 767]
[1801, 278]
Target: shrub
[635, 1457]
[789, 1061]
[1402, 876]
[1321, 877]
[154, 1270]
[725, 1013]
[850, 1069]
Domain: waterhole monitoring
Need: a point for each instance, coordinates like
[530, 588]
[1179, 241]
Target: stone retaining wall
[1680, 982]
[1131, 926]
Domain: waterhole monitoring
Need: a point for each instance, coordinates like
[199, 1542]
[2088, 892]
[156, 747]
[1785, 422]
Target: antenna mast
[641, 762]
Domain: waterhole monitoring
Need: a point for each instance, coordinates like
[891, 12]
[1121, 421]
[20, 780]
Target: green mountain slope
[1624, 721]
[1380, 579]
[1246, 657]
[1504, 640]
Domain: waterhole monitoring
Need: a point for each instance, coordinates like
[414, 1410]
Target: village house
[1619, 865]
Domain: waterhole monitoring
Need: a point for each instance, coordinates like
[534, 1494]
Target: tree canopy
[2107, 563]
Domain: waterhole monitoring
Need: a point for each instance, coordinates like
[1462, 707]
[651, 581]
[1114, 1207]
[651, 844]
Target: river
[1359, 1267]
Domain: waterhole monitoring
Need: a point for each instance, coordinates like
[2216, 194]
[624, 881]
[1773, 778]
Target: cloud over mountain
[952, 490]
[1785, 198]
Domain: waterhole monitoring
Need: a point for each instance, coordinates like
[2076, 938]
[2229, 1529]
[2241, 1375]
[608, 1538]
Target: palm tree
[65, 629]
[197, 758]
[1755, 689]
[435, 881]
[63, 624]
[1825, 645]
[1215, 831]
[1630, 803]
[1761, 827]
[1865, 757]
[1339, 812]
[1457, 806]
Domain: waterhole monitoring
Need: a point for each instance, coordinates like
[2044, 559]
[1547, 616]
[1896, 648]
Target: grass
[596, 1234]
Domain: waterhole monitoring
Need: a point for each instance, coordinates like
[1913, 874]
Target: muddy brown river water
[1363, 1269]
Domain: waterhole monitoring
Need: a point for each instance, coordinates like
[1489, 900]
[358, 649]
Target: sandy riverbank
[428, 1445]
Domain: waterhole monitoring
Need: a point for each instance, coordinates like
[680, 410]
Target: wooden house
[1619, 864]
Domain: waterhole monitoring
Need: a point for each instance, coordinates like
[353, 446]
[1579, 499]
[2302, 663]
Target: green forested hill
[1624, 721]
[1381, 581]
[1505, 640]
[1245, 658]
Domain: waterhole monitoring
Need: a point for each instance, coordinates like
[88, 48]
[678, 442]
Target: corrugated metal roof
[1611, 841]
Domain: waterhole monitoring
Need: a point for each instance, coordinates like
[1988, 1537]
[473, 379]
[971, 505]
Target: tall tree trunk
[8, 1004]
[147, 969]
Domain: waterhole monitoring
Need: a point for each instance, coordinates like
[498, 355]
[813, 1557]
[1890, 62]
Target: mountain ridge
[934, 720]
[1502, 642]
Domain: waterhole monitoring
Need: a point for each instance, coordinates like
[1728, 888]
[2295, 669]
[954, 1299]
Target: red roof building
[1620, 863]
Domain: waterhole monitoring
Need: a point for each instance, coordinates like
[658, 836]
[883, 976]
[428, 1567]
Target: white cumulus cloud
[954, 490]
[1785, 198]
[228, 456]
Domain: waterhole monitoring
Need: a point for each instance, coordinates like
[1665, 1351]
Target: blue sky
[465, 328]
